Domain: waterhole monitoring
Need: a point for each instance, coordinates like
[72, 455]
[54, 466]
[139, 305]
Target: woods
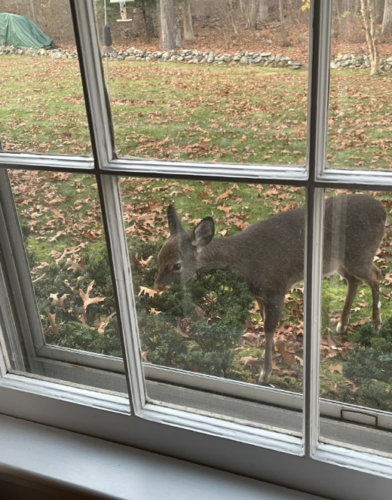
[185, 21]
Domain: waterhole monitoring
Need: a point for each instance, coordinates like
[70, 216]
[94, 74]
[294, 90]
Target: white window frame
[304, 463]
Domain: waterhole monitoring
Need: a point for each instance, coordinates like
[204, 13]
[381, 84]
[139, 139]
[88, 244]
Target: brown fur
[269, 256]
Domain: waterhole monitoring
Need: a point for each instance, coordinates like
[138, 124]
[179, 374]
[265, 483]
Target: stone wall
[348, 61]
[180, 56]
[351, 61]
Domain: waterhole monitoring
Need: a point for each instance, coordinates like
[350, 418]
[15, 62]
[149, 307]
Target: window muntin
[212, 325]
[41, 96]
[62, 229]
[247, 108]
[353, 349]
[359, 121]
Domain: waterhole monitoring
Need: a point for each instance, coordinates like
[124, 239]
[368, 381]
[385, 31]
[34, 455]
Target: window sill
[82, 465]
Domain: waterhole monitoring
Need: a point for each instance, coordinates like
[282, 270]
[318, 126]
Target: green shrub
[369, 366]
[195, 326]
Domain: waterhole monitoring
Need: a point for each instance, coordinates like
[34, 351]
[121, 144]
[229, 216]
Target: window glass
[61, 224]
[199, 297]
[227, 93]
[356, 316]
[41, 96]
[359, 122]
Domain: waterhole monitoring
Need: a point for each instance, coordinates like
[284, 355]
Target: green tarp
[21, 32]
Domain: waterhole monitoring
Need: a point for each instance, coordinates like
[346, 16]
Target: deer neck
[218, 254]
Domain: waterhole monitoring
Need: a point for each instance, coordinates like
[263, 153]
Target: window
[81, 320]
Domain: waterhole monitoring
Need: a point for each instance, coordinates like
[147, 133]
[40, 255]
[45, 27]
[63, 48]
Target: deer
[269, 257]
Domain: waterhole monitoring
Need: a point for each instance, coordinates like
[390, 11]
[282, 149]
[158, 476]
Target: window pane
[61, 223]
[41, 96]
[359, 107]
[198, 299]
[233, 94]
[355, 347]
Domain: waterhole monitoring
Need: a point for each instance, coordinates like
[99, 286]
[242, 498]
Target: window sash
[106, 167]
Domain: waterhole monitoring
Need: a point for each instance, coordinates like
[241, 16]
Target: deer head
[179, 257]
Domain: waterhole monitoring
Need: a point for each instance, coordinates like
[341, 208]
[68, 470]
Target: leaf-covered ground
[63, 215]
[181, 112]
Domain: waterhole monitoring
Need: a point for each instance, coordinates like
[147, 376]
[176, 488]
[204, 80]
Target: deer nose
[159, 280]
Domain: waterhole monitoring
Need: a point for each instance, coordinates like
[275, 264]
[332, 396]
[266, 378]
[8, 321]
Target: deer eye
[177, 267]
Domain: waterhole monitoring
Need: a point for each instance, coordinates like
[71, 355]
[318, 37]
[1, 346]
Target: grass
[181, 112]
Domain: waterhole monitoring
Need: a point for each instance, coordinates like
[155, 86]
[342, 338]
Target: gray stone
[387, 67]
[244, 60]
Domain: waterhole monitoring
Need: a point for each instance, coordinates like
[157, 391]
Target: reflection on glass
[356, 348]
[62, 227]
[200, 298]
[41, 98]
[232, 95]
[359, 123]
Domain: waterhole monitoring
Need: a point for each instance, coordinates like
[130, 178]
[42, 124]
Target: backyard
[193, 113]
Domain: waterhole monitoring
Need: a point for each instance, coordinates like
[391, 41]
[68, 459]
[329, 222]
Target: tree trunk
[282, 24]
[170, 30]
[189, 35]
[33, 16]
[264, 10]
[143, 6]
[379, 10]
[150, 22]
[254, 9]
[367, 7]
[387, 19]
[336, 4]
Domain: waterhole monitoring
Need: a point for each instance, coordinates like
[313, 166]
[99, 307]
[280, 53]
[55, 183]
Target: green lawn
[181, 112]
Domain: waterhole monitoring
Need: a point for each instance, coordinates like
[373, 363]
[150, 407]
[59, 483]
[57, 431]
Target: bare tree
[379, 10]
[189, 35]
[170, 30]
[254, 10]
[369, 19]
[282, 24]
[264, 10]
[387, 18]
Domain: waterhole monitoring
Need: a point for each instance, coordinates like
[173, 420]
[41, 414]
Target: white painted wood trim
[86, 465]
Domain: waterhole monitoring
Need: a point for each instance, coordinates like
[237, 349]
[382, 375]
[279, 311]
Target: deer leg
[374, 284]
[352, 287]
[372, 277]
[272, 313]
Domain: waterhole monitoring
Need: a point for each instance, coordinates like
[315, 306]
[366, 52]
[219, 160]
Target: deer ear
[173, 221]
[203, 232]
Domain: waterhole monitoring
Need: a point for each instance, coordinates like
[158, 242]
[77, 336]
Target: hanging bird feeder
[123, 10]
[107, 40]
